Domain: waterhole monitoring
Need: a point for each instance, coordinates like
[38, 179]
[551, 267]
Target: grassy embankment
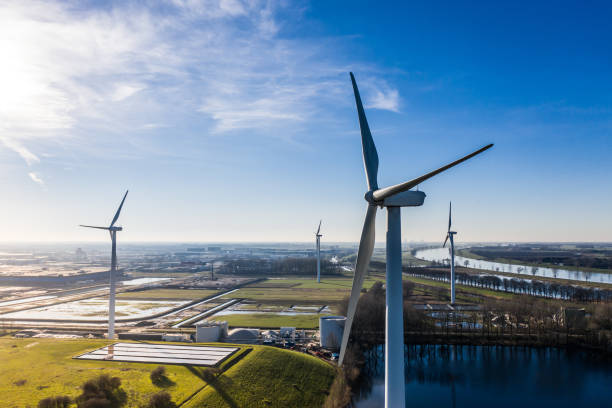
[280, 377]
[268, 377]
[279, 293]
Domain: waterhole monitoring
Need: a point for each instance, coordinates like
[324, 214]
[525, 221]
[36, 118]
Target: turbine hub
[369, 197]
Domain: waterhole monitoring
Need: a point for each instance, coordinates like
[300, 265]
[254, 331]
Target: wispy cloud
[36, 178]
[25, 154]
[89, 74]
[387, 100]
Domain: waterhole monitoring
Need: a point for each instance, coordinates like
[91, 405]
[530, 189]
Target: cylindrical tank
[331, 329]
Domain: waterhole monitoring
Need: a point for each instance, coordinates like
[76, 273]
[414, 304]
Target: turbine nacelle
[402, 199]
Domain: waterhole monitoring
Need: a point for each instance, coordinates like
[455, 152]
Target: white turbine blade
[450, 205]
[446, 239]
[119, 210]
[91, 226]
[319, 229]
[383, 193]
[366, 247]
[370, 155]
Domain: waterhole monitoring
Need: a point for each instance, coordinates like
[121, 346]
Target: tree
[102, 392]
[160, 400]
[60, 401]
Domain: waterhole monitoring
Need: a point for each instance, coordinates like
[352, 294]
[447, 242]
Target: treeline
[584, 257]
[532, 287]
[285, 266]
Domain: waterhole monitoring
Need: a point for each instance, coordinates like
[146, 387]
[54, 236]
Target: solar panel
[160, 353]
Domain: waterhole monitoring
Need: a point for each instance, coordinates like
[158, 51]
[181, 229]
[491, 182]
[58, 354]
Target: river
[442, 255]
[492, 376]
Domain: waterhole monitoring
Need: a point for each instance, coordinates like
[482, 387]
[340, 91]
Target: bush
[102, 392]
[60, 401]
[158, 374]
[160, 400]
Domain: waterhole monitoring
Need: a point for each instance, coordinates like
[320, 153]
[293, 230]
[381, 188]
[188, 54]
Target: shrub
[60, 401]
[102, 392]
[158, 375]
[160, 400]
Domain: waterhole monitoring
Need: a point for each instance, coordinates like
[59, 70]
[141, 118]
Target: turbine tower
[318, 243]
[393, 198]
[450, 236]
[113, 235]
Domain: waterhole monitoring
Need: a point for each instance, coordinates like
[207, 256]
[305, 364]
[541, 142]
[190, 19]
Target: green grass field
[269, 377]
[301, 321]
[461, 288]
[280, 377]
[48, 368]
[169, 294]
[301, 291]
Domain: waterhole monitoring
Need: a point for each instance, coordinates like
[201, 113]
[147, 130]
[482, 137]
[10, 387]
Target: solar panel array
[160, 354]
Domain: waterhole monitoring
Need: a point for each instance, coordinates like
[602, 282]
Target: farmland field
[171, 294]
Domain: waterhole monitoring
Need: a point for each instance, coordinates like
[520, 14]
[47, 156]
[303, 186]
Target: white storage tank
[207, 332]
[330, 331]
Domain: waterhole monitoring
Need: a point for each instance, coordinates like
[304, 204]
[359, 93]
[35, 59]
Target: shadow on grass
[163, 382]
[213, 378]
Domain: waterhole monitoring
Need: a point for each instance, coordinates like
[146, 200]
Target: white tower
[450, 235]
[113, 270]
[318, 246]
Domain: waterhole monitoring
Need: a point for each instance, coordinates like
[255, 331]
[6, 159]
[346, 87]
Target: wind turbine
[113, 234]
[318, 242]
[450, 236]
[393, 198]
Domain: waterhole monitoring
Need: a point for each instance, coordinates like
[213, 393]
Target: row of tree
[532, 287]
[284, 266]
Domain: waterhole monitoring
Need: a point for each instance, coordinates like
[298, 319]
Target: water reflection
[486, 376]
[442, 255]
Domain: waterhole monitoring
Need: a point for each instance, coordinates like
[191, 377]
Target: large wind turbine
[111, 300]
[318, 243]
[393, 198]
[450, 236]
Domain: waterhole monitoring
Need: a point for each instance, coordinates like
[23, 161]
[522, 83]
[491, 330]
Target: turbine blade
[119, 210]
[450, 206]
[91, 226]
[319, 229]
[383, 193]
[445, 239]
[366, 247]
[370, 155]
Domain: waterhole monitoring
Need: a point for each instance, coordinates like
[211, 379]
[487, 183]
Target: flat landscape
[169, 294]
[294, 302]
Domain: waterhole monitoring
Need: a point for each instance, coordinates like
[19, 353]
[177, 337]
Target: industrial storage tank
[207, 332]
[330, 330]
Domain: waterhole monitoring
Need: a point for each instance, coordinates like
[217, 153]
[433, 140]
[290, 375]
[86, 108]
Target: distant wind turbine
[450, 236]
[318, 243]
[393, 198]
[113, 234]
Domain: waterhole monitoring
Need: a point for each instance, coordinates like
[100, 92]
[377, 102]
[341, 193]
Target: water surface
[442, 255]
[494, 376]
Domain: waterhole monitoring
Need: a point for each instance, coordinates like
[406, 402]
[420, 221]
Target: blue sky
[235, 121]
